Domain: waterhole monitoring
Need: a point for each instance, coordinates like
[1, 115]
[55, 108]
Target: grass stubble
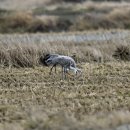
[30, 98]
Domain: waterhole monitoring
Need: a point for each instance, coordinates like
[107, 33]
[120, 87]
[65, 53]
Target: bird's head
[78, 71]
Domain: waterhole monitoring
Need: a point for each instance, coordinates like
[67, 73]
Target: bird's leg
[65, 71]
[69, 74]
[55, 68]
[51, 69]
[62, 73]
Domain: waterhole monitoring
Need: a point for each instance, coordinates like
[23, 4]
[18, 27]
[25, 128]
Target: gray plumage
[67, 63]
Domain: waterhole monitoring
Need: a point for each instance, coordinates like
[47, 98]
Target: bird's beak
[78, 71]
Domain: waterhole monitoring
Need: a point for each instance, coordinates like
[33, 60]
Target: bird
[66, 62]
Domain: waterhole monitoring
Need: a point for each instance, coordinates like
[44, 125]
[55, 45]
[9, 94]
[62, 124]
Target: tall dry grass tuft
[26, 22]
[19, 19]
[15, 22]
[19, 56]
[122, 53]
[40, 26]
[121, 18]
[23, 22]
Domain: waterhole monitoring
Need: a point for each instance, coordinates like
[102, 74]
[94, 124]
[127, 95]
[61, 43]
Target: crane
[66, 62]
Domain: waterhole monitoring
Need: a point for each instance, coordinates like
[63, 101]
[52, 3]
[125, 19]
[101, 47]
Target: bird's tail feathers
[48, 59]
[48, 62]
[44, 59]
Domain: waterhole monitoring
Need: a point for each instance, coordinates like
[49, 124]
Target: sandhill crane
[67, 63]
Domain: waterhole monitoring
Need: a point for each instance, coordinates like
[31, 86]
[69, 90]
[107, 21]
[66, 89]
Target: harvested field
[32, 99]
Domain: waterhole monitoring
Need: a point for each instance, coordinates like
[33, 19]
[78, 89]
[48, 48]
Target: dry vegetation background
[31, 99]
[62, 15]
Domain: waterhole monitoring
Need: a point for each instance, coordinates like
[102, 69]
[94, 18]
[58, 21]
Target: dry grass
[21, 5]
[91, 15]
[25, 50]
[31, 4]
[104, 16]
[66, 17]
[21, 22]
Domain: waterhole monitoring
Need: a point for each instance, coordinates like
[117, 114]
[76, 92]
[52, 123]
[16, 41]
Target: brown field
[31, 99]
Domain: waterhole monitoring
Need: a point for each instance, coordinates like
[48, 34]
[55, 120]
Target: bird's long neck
[74, 69]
